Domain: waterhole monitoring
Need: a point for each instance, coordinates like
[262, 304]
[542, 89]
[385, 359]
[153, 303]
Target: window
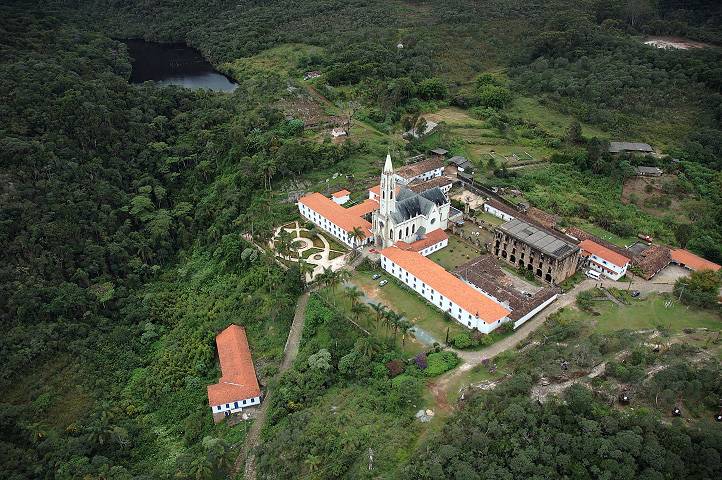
[235, 404]
[218, 407]
[228, 405]
[244, 402]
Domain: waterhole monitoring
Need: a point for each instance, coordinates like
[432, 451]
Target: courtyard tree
[380, 311]
[353, 294]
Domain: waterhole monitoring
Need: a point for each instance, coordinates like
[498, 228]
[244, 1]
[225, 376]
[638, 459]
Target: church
[411, 215]
[406, 216]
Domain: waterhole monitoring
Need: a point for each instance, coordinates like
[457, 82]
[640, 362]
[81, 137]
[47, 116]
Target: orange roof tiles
[376, 189]
[340, 193]
[431, 238]
[693, 261]
[335, 213]
[601, 251]
[238, 376]
[451, 287]
[419, 168]
[364, 208]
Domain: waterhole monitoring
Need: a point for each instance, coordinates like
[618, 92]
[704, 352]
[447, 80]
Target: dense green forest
[122, 208]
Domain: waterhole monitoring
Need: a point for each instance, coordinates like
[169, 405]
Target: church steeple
[388, 187]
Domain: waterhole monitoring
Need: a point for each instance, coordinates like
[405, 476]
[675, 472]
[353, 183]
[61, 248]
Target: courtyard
[313, 247]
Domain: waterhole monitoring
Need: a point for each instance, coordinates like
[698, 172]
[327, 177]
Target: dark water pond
[174, 64]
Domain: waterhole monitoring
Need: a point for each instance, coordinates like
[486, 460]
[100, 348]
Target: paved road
[660, 284]
[290, 351]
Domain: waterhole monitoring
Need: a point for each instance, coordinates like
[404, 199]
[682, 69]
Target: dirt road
[290, 351]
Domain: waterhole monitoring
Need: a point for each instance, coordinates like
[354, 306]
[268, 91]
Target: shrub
[421, 361]
[440, 362]
[396, 367]
[463, 340]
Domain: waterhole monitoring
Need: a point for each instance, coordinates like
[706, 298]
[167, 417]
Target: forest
[122, 210]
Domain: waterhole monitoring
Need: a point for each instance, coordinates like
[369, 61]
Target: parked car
[634, 293]
[383, 282]
[376, 276]
[373, 250]
[593, 274]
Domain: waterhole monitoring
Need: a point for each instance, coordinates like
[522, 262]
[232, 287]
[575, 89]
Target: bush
[463, 340]
[440, 362]
[396, 367]
[421, 361]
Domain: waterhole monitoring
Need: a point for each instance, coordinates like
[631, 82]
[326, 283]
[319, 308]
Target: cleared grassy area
[553, 121]
[649, 313]
[282, 60]
[456, 253]
[403, 300]
[489, 218]
[605, 235]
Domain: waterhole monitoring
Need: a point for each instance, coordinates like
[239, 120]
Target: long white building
[333, 218]
[445, 291]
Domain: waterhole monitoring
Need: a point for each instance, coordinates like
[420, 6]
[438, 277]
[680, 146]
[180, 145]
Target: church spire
[388, 167]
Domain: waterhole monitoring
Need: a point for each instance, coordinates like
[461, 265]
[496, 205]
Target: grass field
[403, 300]
[456, 253]
[649, 313]
[489, 218]
[605, 235]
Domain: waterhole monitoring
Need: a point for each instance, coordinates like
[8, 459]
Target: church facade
[404, 215]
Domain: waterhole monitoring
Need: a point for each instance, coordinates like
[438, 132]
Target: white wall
[529, 315]
[441, 302]
[608, 269]
[497, 213]
[341, 200]
[428, 175]
[237, 405]
[326, 225]
[433, 248]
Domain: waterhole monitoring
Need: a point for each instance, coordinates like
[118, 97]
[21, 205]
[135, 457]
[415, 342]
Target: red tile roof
[376, 189]
[364, 208]
[431, 238]
[340, 193]
[419, 168]
[652, 260]
[446, 284]
[601, 251]
[335, 213]
[692, 261]
[238, 376]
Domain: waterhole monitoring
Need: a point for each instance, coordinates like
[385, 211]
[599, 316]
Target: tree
[380, 311]
[574, 133]
[353, 294]
[700, 289]
[358, 310]
[357, 235]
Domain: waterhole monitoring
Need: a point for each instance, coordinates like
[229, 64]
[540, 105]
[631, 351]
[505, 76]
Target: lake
[174, 64]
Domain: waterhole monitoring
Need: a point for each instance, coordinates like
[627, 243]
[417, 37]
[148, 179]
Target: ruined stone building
[550, 255]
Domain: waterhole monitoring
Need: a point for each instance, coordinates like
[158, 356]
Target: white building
[604, 260]
[498, 210]
[341, 197]
[419, 171]
[445, 291]
[338, 132]
[405, 215]
[333, 218]
[238, 386]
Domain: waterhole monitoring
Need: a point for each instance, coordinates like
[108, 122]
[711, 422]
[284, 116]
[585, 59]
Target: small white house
[495, 209]
[338, 132]
[604, 260]
[341, 197]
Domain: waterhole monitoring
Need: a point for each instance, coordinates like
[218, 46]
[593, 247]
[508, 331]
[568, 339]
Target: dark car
[376, 276]
[634, 293]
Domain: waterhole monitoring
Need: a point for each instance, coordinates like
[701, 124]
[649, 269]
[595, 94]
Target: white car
[383, 282]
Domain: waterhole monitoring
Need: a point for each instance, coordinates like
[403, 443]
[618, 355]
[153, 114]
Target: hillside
[135, 222]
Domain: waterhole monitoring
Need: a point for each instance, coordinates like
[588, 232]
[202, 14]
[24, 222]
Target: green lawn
[403, 300]
[456, 253]
[649, 313]
[489, 218]
[605, 235]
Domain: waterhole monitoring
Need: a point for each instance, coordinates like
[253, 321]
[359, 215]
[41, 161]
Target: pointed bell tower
[388, 188]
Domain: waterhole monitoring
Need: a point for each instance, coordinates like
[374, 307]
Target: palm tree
[390, 319]
[357, 235]
[405, 326]
[353, 294]
[380, 311]
[305, 268]
[332, 280]
[359, 309]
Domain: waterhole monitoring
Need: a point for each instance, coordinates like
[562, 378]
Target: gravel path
[290, 351]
